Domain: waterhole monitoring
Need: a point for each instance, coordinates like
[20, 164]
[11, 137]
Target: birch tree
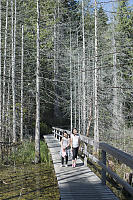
[22, 69]
[83, 73]
[4, 73]
[115, 95]
[79, 86]
[37, 128]
[0, 80]
[71, 96]
[8, 116]
[13, 67]
[96, 129]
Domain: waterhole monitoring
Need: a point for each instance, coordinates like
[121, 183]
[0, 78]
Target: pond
[28, 182]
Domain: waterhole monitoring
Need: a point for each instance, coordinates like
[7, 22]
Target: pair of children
[66, 144]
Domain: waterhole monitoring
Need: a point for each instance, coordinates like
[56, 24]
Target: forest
[66, 63]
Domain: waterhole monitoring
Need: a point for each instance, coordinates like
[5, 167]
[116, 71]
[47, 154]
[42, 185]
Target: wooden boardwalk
[78, 183]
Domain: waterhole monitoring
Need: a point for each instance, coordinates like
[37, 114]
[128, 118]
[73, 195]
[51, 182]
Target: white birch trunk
[115, 98]
[79, 90]
[4, 73]
[13, 69]
[83, 73]
[71, 96]
[96, 129]
[56, 106]
[37, 128]
[55, 46]
[8, 120]
[22, 69]
[75, 95]
[115, 120]
[57, 38]
[0, 81]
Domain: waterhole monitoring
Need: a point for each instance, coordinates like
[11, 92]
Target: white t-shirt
[65, 142]
[75, 140]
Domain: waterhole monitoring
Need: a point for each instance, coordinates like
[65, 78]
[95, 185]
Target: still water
[28, 182]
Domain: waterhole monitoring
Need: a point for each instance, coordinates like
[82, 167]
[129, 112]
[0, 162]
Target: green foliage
[125, 19]
[25, 153]
[45, 129]
[124, 38]
[45, 155]
[29, 182]
[102, 21]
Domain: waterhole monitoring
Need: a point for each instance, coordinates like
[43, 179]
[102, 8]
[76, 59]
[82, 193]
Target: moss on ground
[21, 179]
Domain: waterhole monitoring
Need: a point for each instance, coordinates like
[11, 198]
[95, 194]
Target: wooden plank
[76, 183]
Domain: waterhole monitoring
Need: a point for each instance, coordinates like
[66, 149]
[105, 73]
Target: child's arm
[71, 140]
[61, 143]
[79, 141]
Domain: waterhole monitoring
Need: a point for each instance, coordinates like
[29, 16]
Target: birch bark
[8, 119]
[115, 98]
[79, 89]
[0, 80]
[37, 128]
[71, 96]
[96, 130]
[75, 95]
[83, 73]
[13, 68]
[4, 72]
[22, 69]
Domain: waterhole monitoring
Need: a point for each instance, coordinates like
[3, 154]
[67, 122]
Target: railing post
[57, 134]
[103, 171]
[60, 136]
[54, 132]
[85, 152]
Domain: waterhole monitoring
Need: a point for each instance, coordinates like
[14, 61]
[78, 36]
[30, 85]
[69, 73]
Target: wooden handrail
[106, 148]
[120, 155]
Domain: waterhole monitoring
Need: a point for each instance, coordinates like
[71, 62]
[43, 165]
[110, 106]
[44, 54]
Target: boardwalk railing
[105, 148]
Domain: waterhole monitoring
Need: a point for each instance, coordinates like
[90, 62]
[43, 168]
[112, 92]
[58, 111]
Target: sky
[108, 5]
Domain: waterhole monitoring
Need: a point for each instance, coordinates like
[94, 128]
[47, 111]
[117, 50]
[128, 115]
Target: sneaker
[74, 165]
[62, 166]
[66, 165]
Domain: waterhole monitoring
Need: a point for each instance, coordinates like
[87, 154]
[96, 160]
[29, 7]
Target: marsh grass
[23, 179]
[29, 181]
[25, 153]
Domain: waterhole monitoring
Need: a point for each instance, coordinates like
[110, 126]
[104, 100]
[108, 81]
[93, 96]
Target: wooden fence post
[60, 136]
[103, 171]
[54, 132]
[85, 152]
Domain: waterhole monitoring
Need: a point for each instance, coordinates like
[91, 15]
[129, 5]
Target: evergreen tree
[124, 29]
